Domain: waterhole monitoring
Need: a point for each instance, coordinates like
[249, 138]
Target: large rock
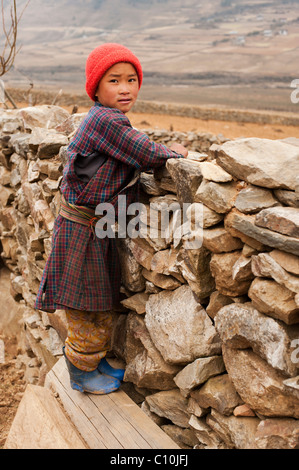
[187, 176]
[149, 184]
[50, 145]
[205, 434]
[179, 326]
[252, 199]
[161, 207]
[262, 162]
[161, 280]
[165, 262]
[198, 372]
[131, 269]
[277, 433]
[246, 225]
[142, 252]
[171, 405]
[218, 300]
[258, 384]
[184, 437]
[286, 260]
[274, 300]
[286, 197]
[213, 172]
[219, 197]
[209, 216]
[218, 393]
[42, 215]
[264, 265]
[242, 326]
[222, 269]
[219, 240]
[136, 302]
[251, 244]
[145, 365]
[194, 266]
[237, 433]
[284, 220]
[45, 116]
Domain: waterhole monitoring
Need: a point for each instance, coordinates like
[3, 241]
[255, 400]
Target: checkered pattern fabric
[82, 271]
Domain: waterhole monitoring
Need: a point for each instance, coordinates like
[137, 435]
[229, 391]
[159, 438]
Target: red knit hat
[102, 58]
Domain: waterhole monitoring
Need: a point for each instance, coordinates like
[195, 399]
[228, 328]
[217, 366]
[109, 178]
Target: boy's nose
[124, 89]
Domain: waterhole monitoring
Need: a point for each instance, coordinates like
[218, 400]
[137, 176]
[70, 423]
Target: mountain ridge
[179, 43]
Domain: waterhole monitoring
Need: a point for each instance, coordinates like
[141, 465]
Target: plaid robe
[82, 271]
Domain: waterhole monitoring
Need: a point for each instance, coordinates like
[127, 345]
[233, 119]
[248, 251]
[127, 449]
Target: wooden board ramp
[112, 421]
[40, 423]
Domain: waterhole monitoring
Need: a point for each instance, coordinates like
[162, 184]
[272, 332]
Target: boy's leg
[89, 338]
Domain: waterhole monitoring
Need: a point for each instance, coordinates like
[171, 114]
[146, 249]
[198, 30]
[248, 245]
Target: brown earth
[12, 386]
[12, 383]
[228, 129]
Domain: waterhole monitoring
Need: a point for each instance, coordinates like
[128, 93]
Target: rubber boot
[91, 382]
[107, 369]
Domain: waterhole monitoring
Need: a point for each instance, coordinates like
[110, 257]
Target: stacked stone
[215, 329]
[209, 334]
[31, 171]
[195, 141]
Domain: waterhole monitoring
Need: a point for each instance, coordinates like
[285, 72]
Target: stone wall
[217, 113]
[209, 332]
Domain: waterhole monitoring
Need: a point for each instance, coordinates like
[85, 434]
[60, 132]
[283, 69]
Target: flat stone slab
[263, 162]
[246, 224]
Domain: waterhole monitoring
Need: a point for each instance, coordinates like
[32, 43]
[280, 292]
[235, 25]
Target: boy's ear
[96, 94]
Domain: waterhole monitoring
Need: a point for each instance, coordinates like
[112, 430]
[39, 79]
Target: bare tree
[10, 32]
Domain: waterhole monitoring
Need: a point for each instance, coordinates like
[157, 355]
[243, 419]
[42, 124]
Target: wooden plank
[110, 421]
[155, 436]
[77, 417]
[40, 423]
[82, 412]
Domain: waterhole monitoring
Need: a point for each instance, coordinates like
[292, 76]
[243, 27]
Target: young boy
[82, 274]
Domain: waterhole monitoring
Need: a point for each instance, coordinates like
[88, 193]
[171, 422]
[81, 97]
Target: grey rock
[283, 220]
[194, 337]
[219, 197]
[252, 199]
[262, 162]
[241, 326]
[246, 225]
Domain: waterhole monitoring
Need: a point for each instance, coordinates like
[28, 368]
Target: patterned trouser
[88, 338]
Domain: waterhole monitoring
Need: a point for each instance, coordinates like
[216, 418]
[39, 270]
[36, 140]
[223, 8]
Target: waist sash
[79, 214]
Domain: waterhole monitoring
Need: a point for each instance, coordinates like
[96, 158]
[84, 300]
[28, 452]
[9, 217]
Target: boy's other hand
[179, 148]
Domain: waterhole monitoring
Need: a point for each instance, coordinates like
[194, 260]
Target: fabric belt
[79, 214]
[85, 215]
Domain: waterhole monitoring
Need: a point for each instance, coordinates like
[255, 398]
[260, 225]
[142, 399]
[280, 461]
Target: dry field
[141, 120]
[239, 54]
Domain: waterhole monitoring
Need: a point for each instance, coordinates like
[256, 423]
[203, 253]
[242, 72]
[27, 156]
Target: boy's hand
[179, 148]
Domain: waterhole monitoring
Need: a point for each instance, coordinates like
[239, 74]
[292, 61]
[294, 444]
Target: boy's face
[119, 87]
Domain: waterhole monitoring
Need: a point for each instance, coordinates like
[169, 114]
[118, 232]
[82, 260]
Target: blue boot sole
[79, 388]
[91, 382]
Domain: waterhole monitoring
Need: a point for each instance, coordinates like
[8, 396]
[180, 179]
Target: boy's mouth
[125, 100]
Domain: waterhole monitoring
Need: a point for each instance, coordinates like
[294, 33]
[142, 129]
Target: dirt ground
[12, 384]
[228, 129]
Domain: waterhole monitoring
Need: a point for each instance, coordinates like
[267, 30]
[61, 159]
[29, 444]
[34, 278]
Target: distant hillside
[181, 43]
